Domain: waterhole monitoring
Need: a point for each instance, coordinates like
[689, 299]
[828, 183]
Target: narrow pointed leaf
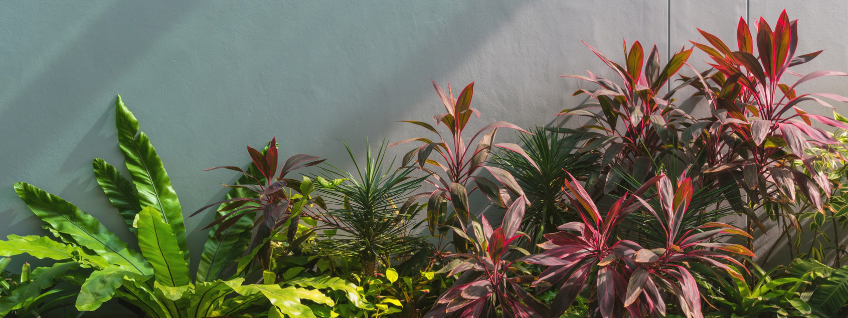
[148, 173]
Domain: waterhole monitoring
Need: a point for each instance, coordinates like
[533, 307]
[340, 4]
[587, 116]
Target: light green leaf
[119, 190]
[82, 228]
[159, 246]
[148, 174]
[173, 293]
[391, 274]
[287, 300]
[334, 283]
[292, 272]
[101, 287]
[38, 246]
[209, 295]
[42, 277]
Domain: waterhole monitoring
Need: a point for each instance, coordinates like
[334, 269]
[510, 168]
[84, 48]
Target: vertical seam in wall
[668, 36]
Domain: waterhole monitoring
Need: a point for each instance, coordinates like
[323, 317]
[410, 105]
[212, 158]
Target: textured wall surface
[206, 78]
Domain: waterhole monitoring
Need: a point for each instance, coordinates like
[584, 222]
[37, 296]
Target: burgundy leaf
[585, 200]
[476, 290]
[828, 121]
[808, 188]
[490, 190]
[815, 133]
[505, 178]
[459, 199]
[759, 130]
[298, 161]
[794, 138]
[783, 179]
[271, 157]
[646, 256]
[569, 290]
[514, 215]
[606, 291]
[635, 285]
[571, 226]
[259, 161]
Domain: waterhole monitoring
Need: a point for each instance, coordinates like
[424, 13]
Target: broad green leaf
[148, 174]
[292, 272]
[82, 228]
[392, 275]
[159, 246]
[37, 246]
[221, 250]
[172, 293]
[231, 305]
[287, 300]
[4, 262]
[832, 294]
[101, 287]
[209, 295]
[334, 283]
[119, 190]
[42, 277]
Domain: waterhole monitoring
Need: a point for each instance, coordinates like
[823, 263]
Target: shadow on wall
[52, 101]
[118, 38]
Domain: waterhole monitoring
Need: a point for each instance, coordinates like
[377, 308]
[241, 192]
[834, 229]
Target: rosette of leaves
[371, 211]
[627, 276]
[490, 281]
[554, 154]
[637, 125]
[759, 137]
[458, 159]
[265, 201]
[155, 280]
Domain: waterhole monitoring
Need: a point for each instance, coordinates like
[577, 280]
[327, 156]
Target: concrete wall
[206, 78]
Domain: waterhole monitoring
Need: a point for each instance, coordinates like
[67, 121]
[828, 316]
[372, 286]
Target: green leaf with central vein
[37, 246]
[101, 286]
[118, 189]
[148, 173]
[287, 300]
[208, 295]
[85, 230]
[159, 245]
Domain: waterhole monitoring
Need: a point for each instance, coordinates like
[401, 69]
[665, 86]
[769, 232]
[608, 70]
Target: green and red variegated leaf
[765, 47]
[635, 59]
[743, 37]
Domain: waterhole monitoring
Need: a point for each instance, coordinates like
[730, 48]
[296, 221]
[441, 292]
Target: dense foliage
[621, 217]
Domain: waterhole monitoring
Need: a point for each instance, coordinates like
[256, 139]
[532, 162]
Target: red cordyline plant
[459, 160]
[637, 121]
[667, 267]
[763, 117]
[488, 282]
[572, 257]
[625, 270]
[271, 202]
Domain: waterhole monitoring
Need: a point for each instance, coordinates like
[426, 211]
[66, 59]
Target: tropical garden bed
[623, 216]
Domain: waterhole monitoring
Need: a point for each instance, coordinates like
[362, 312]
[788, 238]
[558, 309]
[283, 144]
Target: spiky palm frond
[372, 209]
[645, 229]
[555, 155]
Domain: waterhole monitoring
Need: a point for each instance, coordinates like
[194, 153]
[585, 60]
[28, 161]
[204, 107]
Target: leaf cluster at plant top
[619, 217]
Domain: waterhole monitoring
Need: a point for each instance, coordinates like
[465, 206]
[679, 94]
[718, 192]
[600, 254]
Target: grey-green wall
[207, 78]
